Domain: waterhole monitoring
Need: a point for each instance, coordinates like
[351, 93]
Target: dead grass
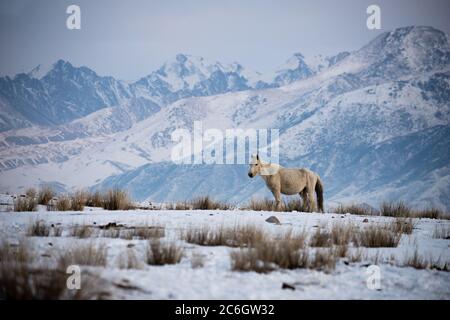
[82, 231]
[442, 232]
[148, 232]
[116, 199]
[139, 232]
[38, 228]
[162, 253]
[270, 205]
[402, 210]
[78, 200]
[94, 199]
[207, 203]
[45, 194]
[63, 204]
[31, 193]
[237, 236]
[354, 208]
[271, 254]
[85, 255]
[401, 225]
[56, 230]
[111, 233]
[377, 236]
[430, 213]
[320, 238]
[22, 204]
[342, 233]
[19, 280]
[419, 262]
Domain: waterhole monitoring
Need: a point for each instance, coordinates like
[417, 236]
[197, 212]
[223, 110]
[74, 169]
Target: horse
[289, 181]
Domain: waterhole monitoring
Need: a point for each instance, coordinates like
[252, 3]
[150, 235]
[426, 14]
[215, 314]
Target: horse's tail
[319, 194]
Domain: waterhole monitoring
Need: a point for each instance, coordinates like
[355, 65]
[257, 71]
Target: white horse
[289, 181]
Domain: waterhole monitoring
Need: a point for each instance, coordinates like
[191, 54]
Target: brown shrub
[207, 203]
[161, 253]
[25, 204]
[38, 229]
[320, 238]
[63, 204]
[78, 201]
[82, 231]
[401, 225]
[94, 199]
[237, 236]
[86, 254]
[31, 193]
[377, 236]
[354, 208]
[116, 199]
[442, 232]
[270, 205]
[271, 254]
[45, 194]
[20, 281]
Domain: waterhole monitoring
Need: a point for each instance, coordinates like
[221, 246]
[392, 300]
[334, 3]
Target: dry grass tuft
[376, 236]
[117, 199]
[111, 233]
[161, 253]
[45, 194]
[270, 205]
[442, 232]
[237, 236]
[31, 193]
[20, 281]
[342, 234]
[148, 232]
[78, 200]
[94, 199]
[402, 210]
[207, 203]
[86, 254]
[82, 231]
[354, 208]
[38, 229]
[63, 204]
[140, 232]
[271, 254]
[418, 262]
[395, 209]
[25, 204]
[320, 238]
[401, 225]
[430, 213]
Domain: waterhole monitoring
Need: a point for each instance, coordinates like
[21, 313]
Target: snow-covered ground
[216, 280]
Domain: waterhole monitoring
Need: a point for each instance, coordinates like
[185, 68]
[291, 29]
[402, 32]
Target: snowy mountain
[374, 123]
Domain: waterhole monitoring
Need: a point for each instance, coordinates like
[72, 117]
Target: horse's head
[255, 166]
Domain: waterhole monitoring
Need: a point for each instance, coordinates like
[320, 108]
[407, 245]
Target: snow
[216, 280]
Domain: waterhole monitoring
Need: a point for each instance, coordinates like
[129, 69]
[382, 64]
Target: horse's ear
[257, 156]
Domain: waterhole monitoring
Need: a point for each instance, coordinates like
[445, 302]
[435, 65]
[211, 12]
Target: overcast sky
[129, 39]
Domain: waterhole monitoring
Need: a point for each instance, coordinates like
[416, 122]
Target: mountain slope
[374, 123]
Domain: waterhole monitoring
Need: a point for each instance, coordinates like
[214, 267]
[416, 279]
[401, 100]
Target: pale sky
[129, 39]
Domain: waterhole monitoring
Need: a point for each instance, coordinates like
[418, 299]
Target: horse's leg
[304, 195]
[311, 203]
[277, 196]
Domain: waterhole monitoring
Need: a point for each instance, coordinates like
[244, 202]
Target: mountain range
[373, 122]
